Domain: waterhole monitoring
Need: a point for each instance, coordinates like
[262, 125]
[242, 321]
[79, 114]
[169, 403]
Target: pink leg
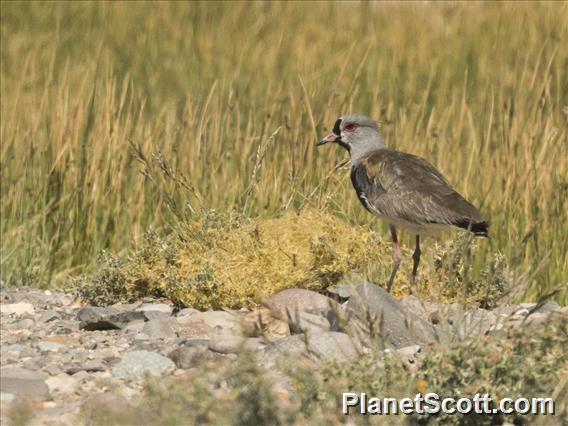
[396, 258]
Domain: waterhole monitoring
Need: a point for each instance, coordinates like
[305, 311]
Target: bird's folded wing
[397, 185]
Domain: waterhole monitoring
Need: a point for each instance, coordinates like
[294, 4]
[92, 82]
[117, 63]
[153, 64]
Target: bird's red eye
[350, 127]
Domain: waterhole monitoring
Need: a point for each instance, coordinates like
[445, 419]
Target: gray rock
[475, 322]
[134, 365]
[7, 397]
[217, 320]
[234, 344]
[304, 322]
[152, 315]
[527, 305]
[115, 406]
[24, 324]
[378, 314]
[95, 318]
[134, 327]
[202, 344]
[409, 351]
[23, 382]
[156, 307]
[141, 337]
[89, 367]
[66, 326]
[190, 357]
[334, 345]
[548, 307]
[186, 312]
[48, 316]
[537, 318]
[50, 346]
[160, 328]
[53, 369]
[62, 384]
[299, 300]
[425, 309]
[183, 356]
[340, 292]
[17, 308]
[320, 345]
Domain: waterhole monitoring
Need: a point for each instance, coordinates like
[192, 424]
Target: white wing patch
[368, 204]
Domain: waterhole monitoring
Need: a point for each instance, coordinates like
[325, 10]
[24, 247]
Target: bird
[401, 188]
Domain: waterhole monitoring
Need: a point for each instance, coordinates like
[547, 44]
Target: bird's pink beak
[332, 137]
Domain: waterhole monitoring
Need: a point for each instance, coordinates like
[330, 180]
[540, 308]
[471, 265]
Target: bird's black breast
[368, 188]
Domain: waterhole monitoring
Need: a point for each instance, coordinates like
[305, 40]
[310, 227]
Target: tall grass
[119, 116]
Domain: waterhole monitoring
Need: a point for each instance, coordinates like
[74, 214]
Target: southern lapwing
[404, 190]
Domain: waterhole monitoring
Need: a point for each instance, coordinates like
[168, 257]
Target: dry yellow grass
[226, 260]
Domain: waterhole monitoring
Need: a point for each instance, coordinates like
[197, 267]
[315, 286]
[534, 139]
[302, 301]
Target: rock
[425, 309]
[262, 322]
[17, 308]
[332, 344]
[319, 345]
[548, 307]
[183, 356]
[82, 376]
[159, 328]
[66, 326]
[53, 369]
[95, 318]
[409, 351]
[7, 397]
[304, 322]
[190, 357]
[151, 315]
[377, 312]
[299, 300]
[141, 337]
[234, 344]
[527, 306]
[218, 320]
[136, 364]
[537, 318]
[62, 383]
[106, 408]
[50, 346]
[194, 329]
[134, 327]
[201, 344]
[474, 322]
[521, 312]
[89, 367]
[186, 312]
[156, 307]
[24, 324]
[23, 382]
[48, 316]
[339, 292]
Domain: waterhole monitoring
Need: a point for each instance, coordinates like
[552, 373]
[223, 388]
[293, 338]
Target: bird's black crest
[336, 127]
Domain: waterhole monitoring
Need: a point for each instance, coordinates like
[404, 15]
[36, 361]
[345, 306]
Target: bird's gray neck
[364, 146]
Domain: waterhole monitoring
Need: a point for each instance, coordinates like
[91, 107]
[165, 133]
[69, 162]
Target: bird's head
[358, 134]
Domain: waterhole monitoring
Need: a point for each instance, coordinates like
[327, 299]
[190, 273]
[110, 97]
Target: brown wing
[403, 186]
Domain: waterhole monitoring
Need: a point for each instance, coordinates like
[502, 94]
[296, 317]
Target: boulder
[136, 364]
[377, 316]
[24, 382]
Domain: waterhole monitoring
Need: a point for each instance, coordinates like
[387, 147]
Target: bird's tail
[479, 229]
